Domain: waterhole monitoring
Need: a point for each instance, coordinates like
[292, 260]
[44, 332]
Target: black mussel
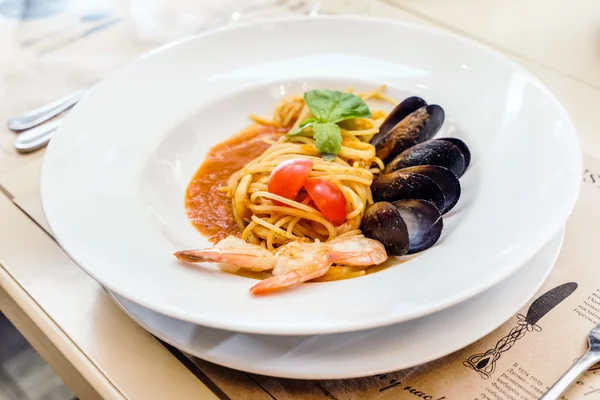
[433, 152]
[383, 222]
[462, 146]
[419, 126]
[444, 178]
[402, 110]
[423, 221]
[400, 185]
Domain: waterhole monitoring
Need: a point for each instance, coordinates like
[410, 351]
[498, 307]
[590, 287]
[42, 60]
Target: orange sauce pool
[209, 209]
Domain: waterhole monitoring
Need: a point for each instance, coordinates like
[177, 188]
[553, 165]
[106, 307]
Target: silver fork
[591, 357]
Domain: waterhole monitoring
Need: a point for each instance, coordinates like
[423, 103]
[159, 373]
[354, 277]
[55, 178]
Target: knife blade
[546, 302]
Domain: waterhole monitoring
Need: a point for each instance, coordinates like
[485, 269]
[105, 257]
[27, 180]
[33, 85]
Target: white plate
[115, 173]
[355, 354]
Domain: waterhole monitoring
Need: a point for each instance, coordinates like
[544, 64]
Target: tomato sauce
[208, 208]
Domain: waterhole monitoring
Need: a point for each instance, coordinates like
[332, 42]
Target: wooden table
[97, 350]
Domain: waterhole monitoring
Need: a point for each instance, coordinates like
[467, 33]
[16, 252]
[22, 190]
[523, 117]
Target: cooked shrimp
[234, 253]
[299, 262]
[296, 262]
[290, 278]
[298, 254]
[356, 251]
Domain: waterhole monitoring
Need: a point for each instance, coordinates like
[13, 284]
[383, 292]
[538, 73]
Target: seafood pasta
[326, 189]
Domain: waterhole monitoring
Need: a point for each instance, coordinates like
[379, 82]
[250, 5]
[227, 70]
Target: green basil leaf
[321, 103]
[329, 140]
[307, 122]
[335, 106]
[350, 106]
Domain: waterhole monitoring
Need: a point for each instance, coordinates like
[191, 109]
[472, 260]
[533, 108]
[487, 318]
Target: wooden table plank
[118, 353]
[33, 331]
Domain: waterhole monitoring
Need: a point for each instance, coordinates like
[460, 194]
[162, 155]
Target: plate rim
[532, 247]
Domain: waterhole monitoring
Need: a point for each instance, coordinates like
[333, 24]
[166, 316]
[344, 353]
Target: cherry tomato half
[287, 178]
[328, 198]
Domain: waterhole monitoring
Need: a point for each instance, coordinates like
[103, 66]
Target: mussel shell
[400, 185]
[383, 222]
[433, 152]
[424, 223]
[419, 126]
[462, 146]
[406, 107]
[444, 178]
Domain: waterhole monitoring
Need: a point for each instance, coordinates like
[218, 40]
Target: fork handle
[582, 365]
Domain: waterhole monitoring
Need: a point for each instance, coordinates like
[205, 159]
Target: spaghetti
[263, 221]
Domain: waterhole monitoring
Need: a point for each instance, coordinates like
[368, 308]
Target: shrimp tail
[192, 256]
[224, 255]
[291, 278]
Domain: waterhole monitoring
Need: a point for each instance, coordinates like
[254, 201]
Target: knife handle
[582, 365]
